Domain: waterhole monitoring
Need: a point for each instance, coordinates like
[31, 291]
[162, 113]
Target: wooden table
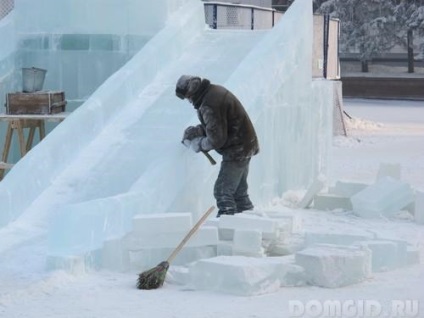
[19, 123]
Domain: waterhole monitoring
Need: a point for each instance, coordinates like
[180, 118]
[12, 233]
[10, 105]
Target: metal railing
[5, 7]
[221, 15]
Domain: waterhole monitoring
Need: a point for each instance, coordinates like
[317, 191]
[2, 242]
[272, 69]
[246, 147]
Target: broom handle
[189, 234]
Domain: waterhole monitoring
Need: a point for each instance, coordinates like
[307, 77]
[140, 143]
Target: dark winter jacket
[226, 124]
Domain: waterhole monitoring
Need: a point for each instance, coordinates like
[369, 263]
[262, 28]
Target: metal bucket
[33, 79]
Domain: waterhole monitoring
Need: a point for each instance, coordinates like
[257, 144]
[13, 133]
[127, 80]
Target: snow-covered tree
[363, 25]
[374, 26]
[409, 15]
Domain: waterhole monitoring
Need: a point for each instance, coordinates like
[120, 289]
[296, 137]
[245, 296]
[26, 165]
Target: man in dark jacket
[226, 128]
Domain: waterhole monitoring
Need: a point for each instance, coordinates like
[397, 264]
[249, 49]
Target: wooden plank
[21, 137]
[6, 166]
[42, 130]
[7, 142]
[47, 117]
[30, 139]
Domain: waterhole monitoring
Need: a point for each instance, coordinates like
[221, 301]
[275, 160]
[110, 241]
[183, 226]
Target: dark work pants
[231, 187]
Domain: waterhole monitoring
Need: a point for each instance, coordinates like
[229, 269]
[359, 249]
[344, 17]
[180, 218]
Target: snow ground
[381, 131]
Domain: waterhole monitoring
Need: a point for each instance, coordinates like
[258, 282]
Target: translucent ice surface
[120, 152]
[7, 54]
[383, 198]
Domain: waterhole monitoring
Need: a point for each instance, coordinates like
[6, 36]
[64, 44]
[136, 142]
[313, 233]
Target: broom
[155, 277]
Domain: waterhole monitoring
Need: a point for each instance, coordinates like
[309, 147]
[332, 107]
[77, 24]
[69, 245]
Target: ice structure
[79, 43]
[7, 54]
[385, 197]
[119, 154]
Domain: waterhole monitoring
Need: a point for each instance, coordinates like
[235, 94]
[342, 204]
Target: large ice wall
[120, 154]
[79, 147]
[79, 43]
[7, 51]
[94, 16]
[8, 60]
[274, 82]
[82, 42]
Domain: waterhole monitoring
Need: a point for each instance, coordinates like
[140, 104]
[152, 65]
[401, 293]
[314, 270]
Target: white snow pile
[355, 123]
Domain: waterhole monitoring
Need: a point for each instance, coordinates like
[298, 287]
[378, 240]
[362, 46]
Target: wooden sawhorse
[19, 123]
[19, 126]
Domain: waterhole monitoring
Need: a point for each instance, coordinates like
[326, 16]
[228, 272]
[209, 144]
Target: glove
[192, 132]
[194, 144]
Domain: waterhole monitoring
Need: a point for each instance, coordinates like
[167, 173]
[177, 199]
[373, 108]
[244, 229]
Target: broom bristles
[153, 278]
